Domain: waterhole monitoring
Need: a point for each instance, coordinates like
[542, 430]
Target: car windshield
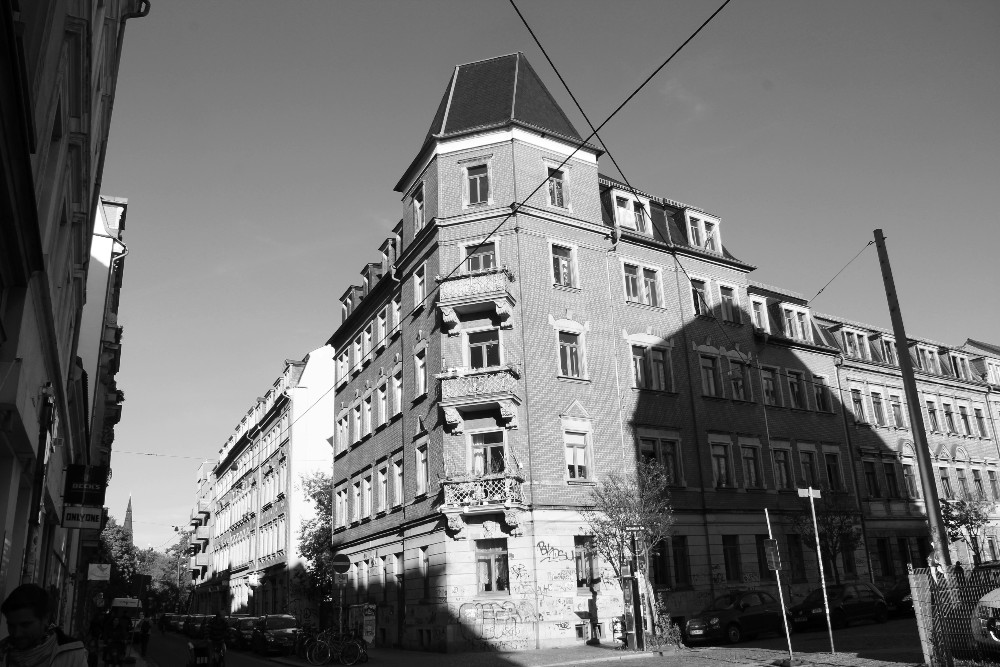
[722, 602]
[817, 595]
[280, 623]
[246, 623]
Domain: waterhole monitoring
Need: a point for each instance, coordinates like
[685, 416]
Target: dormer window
[926, 359]
[630, 214]
[887, 348]
[855, 345]
[703, 232]
[418, 209]
[796, 321]
[960, 366]
[758, 310]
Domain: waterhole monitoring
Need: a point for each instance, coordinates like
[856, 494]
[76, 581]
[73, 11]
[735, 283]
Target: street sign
[341, 564]
[340, 578]
[773, 555]
[75, 516]
[99, 572]
[805, 493]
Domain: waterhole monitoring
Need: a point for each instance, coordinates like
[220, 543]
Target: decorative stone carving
[457, 526]
[508, 413]
[453, 420]
[513, 519]
[449, 320]
[493, 382]
[490, 529]
[503, 312]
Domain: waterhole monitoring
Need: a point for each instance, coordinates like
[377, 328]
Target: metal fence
[958, 614]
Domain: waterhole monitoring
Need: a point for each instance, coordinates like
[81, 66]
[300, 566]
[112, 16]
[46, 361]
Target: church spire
[128, 516]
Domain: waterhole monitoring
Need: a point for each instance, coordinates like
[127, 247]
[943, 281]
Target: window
[796, 396]
[419, 285]
[382, 493]
[949, 418]
[356, 509]
[383, 405]
[709, 376]
[960, 366]
[356, 423]
[650, 288]
[358, 351]
[425, 570]
[977, 481]
[797, 325]
[751, 468]
[368, 340]
[587, 570]
[767, 380]
[632, 291]
[966, 424]
[891, 481]
[858, 402]
[980, 422]
[710, 241]
[569, 355]
[562, 266]
[833, 471]
[926, 360]
[991, 541]
[821, 394]
[759, 315]
[491, 566]
[422, 470]
[367, 416]
[738, 380]
[397, 393]
[396, 313]
[808, 459]
[763, 571]
[479, 184]
[699, 297]
[731, 558]
[796, 558]
[651, 368]
[730, 307]
[856, 345]
[694, 228]
[885, 559]
[681, 562]
[963, 483]
[577, 455]
[630, 214]
[871, 480]
[366, 500]
[380, 327]
[878, 408]
[484, 349]
[889, 351]
[418, 209]
[994, 486]
[911, 481]
[663, 451]
[397, 483]
[782, 469]
[340, 508]
[557, 188]
[946, 489]
[488, 456]
[420, 371]
[481, 257]
[932, 416]
[703, 233]
[720, 466]
[896, 405]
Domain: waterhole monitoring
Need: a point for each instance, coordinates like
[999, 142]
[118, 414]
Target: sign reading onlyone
[85, 485]
[75, 516]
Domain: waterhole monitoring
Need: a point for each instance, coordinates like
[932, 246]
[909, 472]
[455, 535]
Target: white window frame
[697, 219]
[419, 201]
[748, 394]
[928, 356]
[381, 328]
[776, 377]
[811, 448]
[565, 169]
[382, 494]
[737, 310]
[860, 343]
[901, 397]
[806, 336]
[642, 296]
[707, 296]
[472, 163]
[784, 446]
[367, 423]
[419, 286]
[727, 442]
[765, 324]
[573, 264]
[650, 343]
[397, 483]
[835, 450]
[469, 454]
[421, 466]
[421, 378]
[887, 350]
[629, 222]
[803, 394]
[382, 411]
[397, 392]
[661, 436]
[366, 496]
[819, 382]
[959, 366]
[580, 333]
[720, 389]
[356, 501]
[397, 314]
[754, 444]
[584, 427]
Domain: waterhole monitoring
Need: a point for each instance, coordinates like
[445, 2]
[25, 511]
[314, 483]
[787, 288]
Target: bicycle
[342, 648]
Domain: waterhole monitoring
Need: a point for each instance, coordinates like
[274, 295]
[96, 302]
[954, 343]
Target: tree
[839, 533]
[966, 519]
[115, 547]
[316, 535]
[631, 508]
[173, 577]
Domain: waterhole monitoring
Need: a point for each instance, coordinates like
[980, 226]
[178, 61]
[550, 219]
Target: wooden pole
[939, 535]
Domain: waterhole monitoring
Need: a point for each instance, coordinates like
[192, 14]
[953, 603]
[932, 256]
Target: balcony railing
[486, 490]
[203, 533]
[473, 292]
[491, 382]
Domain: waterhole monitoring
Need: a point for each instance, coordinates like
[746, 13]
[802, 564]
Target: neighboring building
[57, 88]
[487, 381]
[246, 543]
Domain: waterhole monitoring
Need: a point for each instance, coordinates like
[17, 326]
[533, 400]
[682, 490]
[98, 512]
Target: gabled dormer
[350, 300]
[388, 250]
[372, 273]
[702, 230]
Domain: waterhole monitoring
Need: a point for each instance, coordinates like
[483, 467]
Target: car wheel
[734, 634]
[839, 619]
[881, 614]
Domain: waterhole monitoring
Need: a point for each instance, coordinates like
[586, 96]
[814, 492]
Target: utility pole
[939, 535]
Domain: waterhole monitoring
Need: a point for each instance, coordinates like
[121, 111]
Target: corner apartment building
[246, 529]
[57, 89]
[488, 381]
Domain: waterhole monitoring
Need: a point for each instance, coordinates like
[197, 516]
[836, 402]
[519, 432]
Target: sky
[258, 144]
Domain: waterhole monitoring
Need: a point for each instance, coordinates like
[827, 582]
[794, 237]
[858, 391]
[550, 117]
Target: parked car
[194, 625]
[240, 632]
[274, 633]
[848, 602]
[898, 600]
[735, 617]
[176, 622]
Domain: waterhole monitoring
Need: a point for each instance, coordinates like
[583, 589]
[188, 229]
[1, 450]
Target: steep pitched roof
[494, 93]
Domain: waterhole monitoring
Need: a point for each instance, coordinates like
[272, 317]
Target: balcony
[204, 507]
[463, 390]
[484, 494]
[203, 533]
[474, 292]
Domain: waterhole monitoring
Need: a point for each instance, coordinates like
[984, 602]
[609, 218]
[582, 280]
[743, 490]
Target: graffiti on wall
[495, 626]
[551, 553]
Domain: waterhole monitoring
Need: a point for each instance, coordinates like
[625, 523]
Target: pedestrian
[144, 629]
[162, 623]
[34, 641]
[116, 638]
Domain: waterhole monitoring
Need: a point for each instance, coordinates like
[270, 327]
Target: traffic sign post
[812, 493]
[341, 564]
[774, 563]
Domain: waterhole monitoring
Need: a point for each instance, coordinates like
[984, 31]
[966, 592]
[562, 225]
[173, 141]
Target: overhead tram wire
[870, 243]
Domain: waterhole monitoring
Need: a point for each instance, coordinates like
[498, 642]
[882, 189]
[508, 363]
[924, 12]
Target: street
[892, 644]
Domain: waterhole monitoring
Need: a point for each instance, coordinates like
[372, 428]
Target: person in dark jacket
[216, 632]
[33, 640]
[145, 627]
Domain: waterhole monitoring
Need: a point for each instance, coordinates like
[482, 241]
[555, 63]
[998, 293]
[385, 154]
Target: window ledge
[713, 398]
[645, 306]
[567, 288]
[732, 323]
[702, 316]
[756, 489]
[568, 378]
[420, 496]
[726, 489]
[580, 482]
[394, 332]
[420, 306]
[419, 397]
[658, 392]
